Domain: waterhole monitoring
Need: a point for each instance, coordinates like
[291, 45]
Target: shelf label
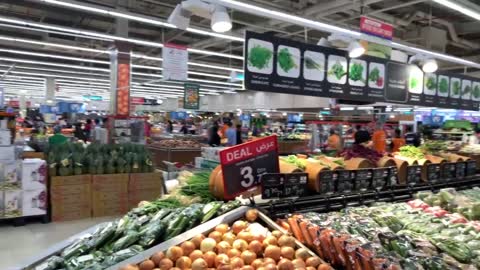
[244, 164]
[283, 185]
[433, 173]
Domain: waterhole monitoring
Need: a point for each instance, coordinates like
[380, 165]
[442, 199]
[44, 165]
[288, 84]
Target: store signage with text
[16, 103]
[376, 28]
[244, 164]
[285, 66]
[175, 62]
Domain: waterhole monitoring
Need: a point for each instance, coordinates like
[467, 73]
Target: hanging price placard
[244, 164]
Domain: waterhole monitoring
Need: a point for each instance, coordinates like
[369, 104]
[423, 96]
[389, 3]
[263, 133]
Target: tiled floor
[20, 243]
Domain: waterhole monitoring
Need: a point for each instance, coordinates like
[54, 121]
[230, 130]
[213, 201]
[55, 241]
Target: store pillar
[120, 79]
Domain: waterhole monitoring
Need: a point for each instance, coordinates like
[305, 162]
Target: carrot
[304, 231]
[292, 221]
[313, 230]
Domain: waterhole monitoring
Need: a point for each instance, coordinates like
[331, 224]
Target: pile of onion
[235, 247]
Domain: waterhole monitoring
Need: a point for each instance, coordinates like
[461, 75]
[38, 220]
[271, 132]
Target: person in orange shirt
[334, 143]
[379, 138]
[398, 141]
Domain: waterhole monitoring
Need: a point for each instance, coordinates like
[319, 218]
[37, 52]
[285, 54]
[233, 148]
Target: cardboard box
[109, 194]
[146, 181]
[35, 202]
[2, 206]
[7, 153]
[136, 196]
[71, 197]
[110, 182]
[9, 172]
[5, 137]
[12, 201]
[33, 174]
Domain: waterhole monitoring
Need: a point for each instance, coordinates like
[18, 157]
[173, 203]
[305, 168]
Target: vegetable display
[245, 244]
[185, 144]
[259, 57]
[433, 147]
[411, 151]
[356, 72]
[337, 70]
[299, 162]
[359, 151]
[443, 85]
[285, 60]
[311, 64]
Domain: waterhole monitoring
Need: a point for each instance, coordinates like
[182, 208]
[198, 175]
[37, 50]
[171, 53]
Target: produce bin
[292, 147]
[229, 218]
[173, 155]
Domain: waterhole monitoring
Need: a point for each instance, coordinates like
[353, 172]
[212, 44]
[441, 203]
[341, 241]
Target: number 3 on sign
[247, 175]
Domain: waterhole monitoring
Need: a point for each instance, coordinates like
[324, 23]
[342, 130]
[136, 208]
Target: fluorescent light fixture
[284, 114]
[429, 65]
[220, 21]
[464, 10]
[365, 108]
[51, 44]
[355, 49]
[347, 108]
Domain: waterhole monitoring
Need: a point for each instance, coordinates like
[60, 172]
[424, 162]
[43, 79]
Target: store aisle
[20, 243]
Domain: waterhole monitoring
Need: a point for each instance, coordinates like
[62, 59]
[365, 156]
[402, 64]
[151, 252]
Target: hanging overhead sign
[284, 66]
[191, 98]
[175, 62]
[376, 28]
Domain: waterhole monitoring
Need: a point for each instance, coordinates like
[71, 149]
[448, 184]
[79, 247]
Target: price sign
[414, 175]
[327, 182]
[433, 173]
[295, 184]
[392, 177]
[281, 185]
[363, 179]
[380, 178]
[448, 170]
[471, 168]
[272, 185]
[460, 168]
[345, 180]
[244, 164]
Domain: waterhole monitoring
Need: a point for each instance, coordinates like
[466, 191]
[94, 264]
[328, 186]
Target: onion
[147, 265]
[222, 228]
[129, 267]
[286, 240]
[277, 233]
[251, 215]
[175, 252]
[175, 268]
[258, 237]
[157, 257]
[270, 266]
[224, 267]
[248, 256]
[287, 253]
[269, 260]
[298, 263]
[248, 267]
[197, 240]
[285, 264]
[324, 266]
[188, 247]
[270, 240]
[236, 262]
[245, 235]
[310, 268]
[257, 263]
[240, 244]
[229, 237]
[183, 262]
[165, 264]
[209, 257]
[313, 262]
[199, 264]
[233, 253]
[255, 247]
[223, 247]
[221, 259]
[272, 252]
[216, 235]
[195, 255]
[239, 226]
[302, 253]
[208, 244]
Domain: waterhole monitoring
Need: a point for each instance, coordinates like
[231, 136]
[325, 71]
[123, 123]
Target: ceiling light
[324, 42]
[220, 21]
[429, 65]
[355, 49]
[284, 114]
[180, 17]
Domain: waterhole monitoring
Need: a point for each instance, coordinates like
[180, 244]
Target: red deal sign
[244, 164]
[376, 28]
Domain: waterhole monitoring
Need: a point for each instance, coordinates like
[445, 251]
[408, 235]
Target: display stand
[123, 129]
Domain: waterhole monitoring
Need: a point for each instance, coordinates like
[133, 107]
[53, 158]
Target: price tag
[363, 179]
[471, 168]
[345, 180]
[448, 170]
[244, 164]
[380, 178]
[272, 185]
[327, 182]
[433, 173]
[295, 184]
[414, 175]
[460, 169]
[392, 177]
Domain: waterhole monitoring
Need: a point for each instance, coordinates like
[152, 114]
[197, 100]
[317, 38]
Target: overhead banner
[191, 99]
[284, 66]
[376, 28]
[175, 62]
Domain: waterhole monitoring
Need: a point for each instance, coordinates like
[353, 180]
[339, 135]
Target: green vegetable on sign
[356, 72]
[413, 82]
[374, 74]
[311, 64]
[456, 88]
[443, 86]
[476, 91]
[466, 90]
[285, 60]
[337, 70]
[431, 83]
[259, 57]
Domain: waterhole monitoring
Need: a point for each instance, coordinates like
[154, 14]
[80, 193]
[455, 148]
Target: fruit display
[389, 236]
[245, 244]
[471, 149]
[183, 144]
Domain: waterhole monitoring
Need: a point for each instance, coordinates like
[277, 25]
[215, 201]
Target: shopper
[184, 129]
[58, 138]
[231, 135]
[78, 132]
[412, 138]
[398, 141]
[474, 138]
[239, 134]
[169, 126]
[213, 137]
[88, 129]
[193, 129]
[334, 143]
[379, 138]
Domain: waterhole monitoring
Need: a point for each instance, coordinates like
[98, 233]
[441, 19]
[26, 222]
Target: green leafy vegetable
[456, 88]
[476, 91]
[443, 86]
[311, 64]
[300, 163]
[431, 83]
[374, 74]
[466, 90]
[411, 152]
[356, 72]
[285, 60]
[259, 57]
[337, 70]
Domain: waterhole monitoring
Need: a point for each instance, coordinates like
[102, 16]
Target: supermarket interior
[239, 134]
